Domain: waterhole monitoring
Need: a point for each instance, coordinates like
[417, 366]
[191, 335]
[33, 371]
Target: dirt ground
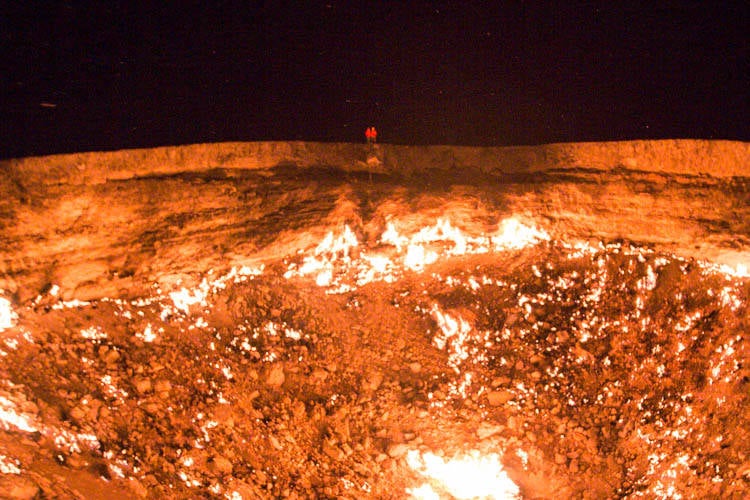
[585, 370]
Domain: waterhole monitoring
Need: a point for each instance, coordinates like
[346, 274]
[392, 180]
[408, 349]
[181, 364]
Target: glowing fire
[185, 298]
[514, 235]
[391, 237]
[738, 271]
[472, 475]
[454, 333]
[417, 257]
[334, 265]
[329, 251]
[7, 316]
[10, 418]
[743, 271]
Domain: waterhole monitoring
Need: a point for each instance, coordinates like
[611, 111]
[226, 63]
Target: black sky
[82, 76]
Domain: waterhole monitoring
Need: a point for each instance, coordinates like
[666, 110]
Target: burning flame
[7, 316]
[742, 270]
[10, 418]
[330, 250]
[335, 246]
[185, 298]
[738, 271]
[514, 235]
[332, 260]
[454, 333]
[417, 257]
[463, 477]
[443, 231]
[391, 237]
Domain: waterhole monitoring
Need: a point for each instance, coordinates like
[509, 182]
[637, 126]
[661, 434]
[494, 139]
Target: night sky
[81, 76]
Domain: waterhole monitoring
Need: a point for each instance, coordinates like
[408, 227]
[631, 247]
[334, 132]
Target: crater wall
[110, 223]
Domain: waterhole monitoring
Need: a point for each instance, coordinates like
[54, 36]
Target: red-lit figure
[368, 134]
[374, 135]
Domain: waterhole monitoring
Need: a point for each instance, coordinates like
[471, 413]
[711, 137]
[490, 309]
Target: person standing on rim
[371, 134]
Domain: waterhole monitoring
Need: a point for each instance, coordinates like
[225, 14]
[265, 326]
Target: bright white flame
[9, 418]
[738, 271]
[442, 231]
[247, 271]
[514, 235]
[391, 237]
[464, 477]
[325, 277]
[93, 333]
[291, 333]
[379, 263]
[454, 334]
[186, 298]
[416, 257]
[7, 316]
[311, 265]
[111, 389]
[424, 492]
[729, 298]
[330, 250]
[9, 465]
[148, 334]
[334, 266]
[449, 326]
[69, 304]
[742, 270]
[511, 235]
[375, 267]
[338, 245]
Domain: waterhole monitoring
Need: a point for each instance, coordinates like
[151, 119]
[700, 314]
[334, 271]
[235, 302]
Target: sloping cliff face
[104, 224]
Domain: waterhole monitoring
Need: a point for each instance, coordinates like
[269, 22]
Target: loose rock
[276, 376]
[497, 398]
